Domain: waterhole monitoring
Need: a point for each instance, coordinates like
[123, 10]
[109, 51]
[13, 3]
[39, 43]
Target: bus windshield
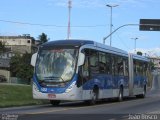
[56, 65]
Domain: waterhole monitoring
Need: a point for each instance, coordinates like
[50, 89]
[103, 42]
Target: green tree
[20, 66]
[139, 53]
[43, 38]
[14, 64]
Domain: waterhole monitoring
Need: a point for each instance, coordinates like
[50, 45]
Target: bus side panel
[139, 82]
[108, 86]
[137, 78]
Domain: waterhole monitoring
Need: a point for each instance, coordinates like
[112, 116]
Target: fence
[19, 80]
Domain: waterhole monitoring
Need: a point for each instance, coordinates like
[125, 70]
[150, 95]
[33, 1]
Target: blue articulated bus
[87, 71]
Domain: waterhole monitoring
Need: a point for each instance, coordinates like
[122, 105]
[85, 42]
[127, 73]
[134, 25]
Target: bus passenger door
[85, 76]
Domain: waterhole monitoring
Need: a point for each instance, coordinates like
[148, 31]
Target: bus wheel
[120, 96]
[55, 102]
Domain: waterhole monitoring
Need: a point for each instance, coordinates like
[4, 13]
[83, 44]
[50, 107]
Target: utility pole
[69, 15]
[135, 40]
[111, 25]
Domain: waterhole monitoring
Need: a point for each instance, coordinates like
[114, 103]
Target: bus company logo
[44, 89]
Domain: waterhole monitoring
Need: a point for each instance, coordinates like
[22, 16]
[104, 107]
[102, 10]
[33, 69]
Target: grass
[17, 95]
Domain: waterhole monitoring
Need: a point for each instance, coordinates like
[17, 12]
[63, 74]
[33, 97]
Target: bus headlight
[70, 87]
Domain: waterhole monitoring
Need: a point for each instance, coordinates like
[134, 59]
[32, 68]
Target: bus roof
[111, 49]
[69, 42]
[139, 57]
[86, 43]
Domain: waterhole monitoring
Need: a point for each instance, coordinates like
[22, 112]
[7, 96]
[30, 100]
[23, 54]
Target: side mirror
[81, 59]
[33, 59]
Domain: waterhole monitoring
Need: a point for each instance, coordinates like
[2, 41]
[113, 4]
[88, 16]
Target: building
[156, 61]
[15, 44]
[21, 44]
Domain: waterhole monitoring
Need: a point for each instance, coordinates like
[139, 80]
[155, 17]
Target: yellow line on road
[76, 108]
[49, 111]
[64, 109]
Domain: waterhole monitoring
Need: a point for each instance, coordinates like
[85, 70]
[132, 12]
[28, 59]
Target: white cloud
[152, 52]
[101, 3]
[77, 3]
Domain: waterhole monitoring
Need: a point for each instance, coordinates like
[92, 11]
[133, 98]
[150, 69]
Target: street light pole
[111, 25]
[135, 40]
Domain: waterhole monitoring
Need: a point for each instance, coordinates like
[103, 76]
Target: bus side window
[126, 73]
[116, 66]
[102, 62]
[120, 66]
[108, 64]
[135, 67]
[85, 68]
[113, 64]
[145, 68]
[93, 62]
[139, 67]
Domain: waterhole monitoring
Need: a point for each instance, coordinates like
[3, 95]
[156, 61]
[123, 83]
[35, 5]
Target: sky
[90, 20]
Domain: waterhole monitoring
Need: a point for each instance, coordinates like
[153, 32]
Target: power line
[122, 42]
[47, 25]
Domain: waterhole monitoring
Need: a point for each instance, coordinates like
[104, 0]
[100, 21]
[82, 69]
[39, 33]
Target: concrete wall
[21, 49]
[5, 73]
[16, 41]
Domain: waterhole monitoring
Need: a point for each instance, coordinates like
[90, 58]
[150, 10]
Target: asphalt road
[130, 108]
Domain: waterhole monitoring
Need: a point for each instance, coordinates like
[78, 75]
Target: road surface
[130, 108]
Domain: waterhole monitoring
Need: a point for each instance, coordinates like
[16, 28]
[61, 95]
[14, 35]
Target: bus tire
[55, 102]
[120, 95]
[143, 94]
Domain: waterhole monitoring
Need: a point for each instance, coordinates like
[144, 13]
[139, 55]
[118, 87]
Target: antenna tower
[69, 12]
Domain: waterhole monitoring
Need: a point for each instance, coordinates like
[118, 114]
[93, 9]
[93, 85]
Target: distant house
[156, 61]
[15, 44]
[21, 44]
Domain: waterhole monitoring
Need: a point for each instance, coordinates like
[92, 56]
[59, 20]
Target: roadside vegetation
[17, 95]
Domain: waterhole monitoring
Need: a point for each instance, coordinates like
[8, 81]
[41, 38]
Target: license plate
[51, 96]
